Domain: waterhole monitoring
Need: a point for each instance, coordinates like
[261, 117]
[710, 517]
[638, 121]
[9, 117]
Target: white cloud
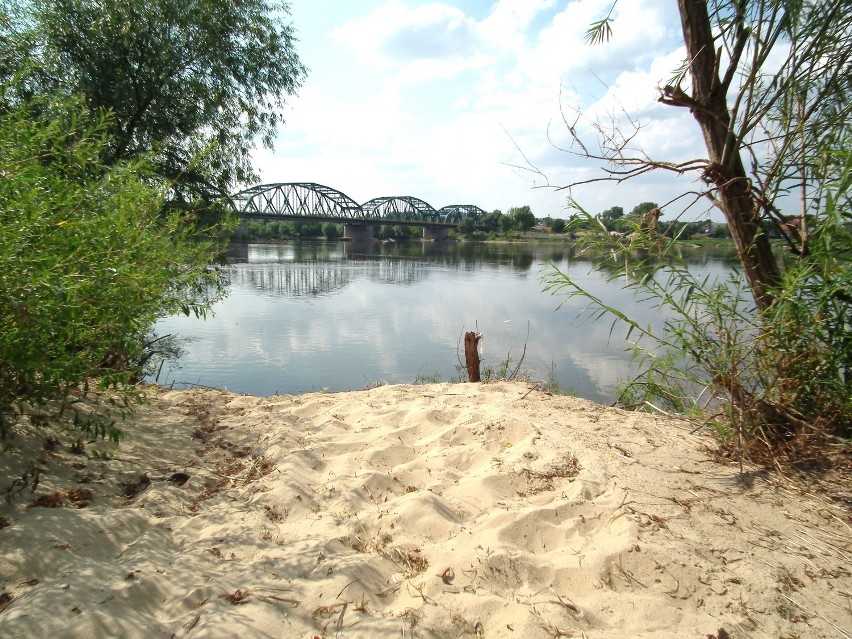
[434, 40]
[430, 101]
[506, 28]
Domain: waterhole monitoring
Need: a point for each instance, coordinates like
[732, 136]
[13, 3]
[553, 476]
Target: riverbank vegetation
[765, 357]
[122, 124]
[301, 229]
[89, 262]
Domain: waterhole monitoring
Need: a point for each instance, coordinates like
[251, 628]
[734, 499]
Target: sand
[446, 510]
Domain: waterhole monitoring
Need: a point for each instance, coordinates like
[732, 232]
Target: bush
[775, 370]
[89, 262]
[466, 226]
[331, 230]
[507, 223]
[773, 381]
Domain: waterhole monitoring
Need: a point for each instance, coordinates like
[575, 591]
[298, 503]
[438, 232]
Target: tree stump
[471, 355]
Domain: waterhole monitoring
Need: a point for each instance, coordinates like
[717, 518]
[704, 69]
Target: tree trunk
[725, 169]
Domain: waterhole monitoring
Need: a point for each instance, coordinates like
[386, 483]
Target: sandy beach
[443, 510]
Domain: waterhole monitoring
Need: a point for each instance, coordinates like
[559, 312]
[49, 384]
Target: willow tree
[190, 84]
[766, 123]
[768, 83]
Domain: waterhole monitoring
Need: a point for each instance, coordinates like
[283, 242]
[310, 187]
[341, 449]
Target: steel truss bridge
[315, 202]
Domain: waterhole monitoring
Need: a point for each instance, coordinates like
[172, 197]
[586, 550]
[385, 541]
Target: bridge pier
[357, 231]
[440, 233]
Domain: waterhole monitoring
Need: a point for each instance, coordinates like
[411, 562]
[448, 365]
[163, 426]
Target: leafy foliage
[466, 226]
[491, 221]
[600, 31]
[87, 263]
[775, 380]
[642, 208]
[331, 230]
[612, 214]
[770, 352]
[189, 84]
[558, 226]
[522, 218]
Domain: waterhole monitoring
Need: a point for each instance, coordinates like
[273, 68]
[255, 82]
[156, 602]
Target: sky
[468, 102]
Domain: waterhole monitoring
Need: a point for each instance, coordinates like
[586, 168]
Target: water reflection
[309, 315]
[321, 278]
[316, 269]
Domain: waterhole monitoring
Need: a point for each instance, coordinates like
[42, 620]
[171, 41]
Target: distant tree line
[613, 219]
[518, 218]
[286, 230]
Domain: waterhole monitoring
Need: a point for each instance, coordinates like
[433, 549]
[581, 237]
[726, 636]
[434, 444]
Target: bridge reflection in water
[319, 268]
[322, 278]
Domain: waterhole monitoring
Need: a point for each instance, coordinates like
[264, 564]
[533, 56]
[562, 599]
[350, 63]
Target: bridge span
[309, 201]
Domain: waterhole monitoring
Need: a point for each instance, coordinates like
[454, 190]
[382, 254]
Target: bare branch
[530, 167]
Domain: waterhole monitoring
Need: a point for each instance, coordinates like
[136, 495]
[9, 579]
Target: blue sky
[446, 100]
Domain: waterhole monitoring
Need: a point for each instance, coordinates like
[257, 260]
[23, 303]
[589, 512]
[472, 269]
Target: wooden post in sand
[471, 355]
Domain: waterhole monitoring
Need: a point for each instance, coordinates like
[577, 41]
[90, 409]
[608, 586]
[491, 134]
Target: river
[306, 316]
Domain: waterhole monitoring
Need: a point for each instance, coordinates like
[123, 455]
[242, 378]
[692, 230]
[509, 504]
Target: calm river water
[306, 316]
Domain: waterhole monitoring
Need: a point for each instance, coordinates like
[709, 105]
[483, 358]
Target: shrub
[773, 381]
[466, 226]
[331, 230]
[88, 262]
